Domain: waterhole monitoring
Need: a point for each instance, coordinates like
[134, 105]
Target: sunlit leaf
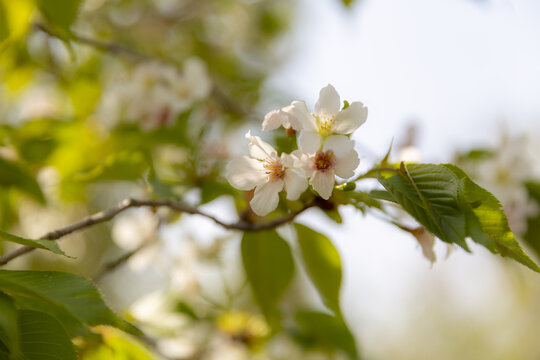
[269, 267]
[452, 207]
[117, 167]
[14, 19]
[323, 265]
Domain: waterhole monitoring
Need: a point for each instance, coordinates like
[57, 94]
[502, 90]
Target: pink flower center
[324, 161]
[275, 169]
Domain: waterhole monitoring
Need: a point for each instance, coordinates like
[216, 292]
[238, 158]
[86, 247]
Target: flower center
[324, 123]
[274, 169]
[324, 161]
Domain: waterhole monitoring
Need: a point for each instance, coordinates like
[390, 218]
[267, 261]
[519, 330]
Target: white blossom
[337, 157]
[327, 119]
[268, 173]
[281, 117]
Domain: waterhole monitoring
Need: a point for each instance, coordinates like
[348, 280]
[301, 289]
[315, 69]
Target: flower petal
[245, 173]
[309, 141]
[272, 120]
[346, 165]
[260, 149]
[266, 197]
[299, 110]
[295, 184]
[350, 119]
[323, 183]
[340, 145]
[328, 103]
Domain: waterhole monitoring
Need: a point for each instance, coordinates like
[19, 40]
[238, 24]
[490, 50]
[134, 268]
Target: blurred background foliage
[104, 100]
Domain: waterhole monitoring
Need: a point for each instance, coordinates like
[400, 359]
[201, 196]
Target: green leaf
[323, 265]
[9, 328]
[452, 207]
[489, 225]
[430, 194]
[14, 20]
[532, 235]
[42, 337]
[77, 296]
[16, 176]
[122, 166]
[39, 244]
[269, 267]
[325, 332]
[60, 14]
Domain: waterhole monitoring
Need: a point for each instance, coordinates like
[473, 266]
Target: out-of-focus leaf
[60, 14]
[269, 267]
[14, 19]
[43, 337]
[123, 166]
[452, 207]
[347, 3]
[77, 295]
[323, 265]
[39, 244]
[325, 332]
[16, 176]
[212, 190]
[117, 346]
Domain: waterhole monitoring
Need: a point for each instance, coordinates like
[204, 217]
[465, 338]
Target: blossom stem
[109, 214]
[372, 172]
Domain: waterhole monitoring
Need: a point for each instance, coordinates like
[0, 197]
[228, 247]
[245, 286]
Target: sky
[463, 71]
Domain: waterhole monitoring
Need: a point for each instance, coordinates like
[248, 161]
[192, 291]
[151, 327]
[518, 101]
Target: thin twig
[108, 46]
[116, 263]
[107, 215]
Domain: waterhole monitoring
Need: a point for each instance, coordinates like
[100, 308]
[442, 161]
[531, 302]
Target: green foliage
[124, 165]
[39, 244]
[32, 335]
[69, 297]
[452, 207]
[9, 328]
[269, 267]
[347, 3]
[43, 337]
[15, 175]
[325, 332]
[323, 265]
[60, 14]
[532, 236]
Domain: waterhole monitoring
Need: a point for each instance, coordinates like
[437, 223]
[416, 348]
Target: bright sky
[461, 70]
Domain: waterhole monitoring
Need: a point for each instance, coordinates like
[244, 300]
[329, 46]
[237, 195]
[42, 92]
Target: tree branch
[108, 46]
[107, 215]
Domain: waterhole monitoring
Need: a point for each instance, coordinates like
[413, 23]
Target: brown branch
[108, 46]
[98, 44]
[119, 261]
[107, 215]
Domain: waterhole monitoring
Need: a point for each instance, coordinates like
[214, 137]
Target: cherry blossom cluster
[155, 93]
[324, 151]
